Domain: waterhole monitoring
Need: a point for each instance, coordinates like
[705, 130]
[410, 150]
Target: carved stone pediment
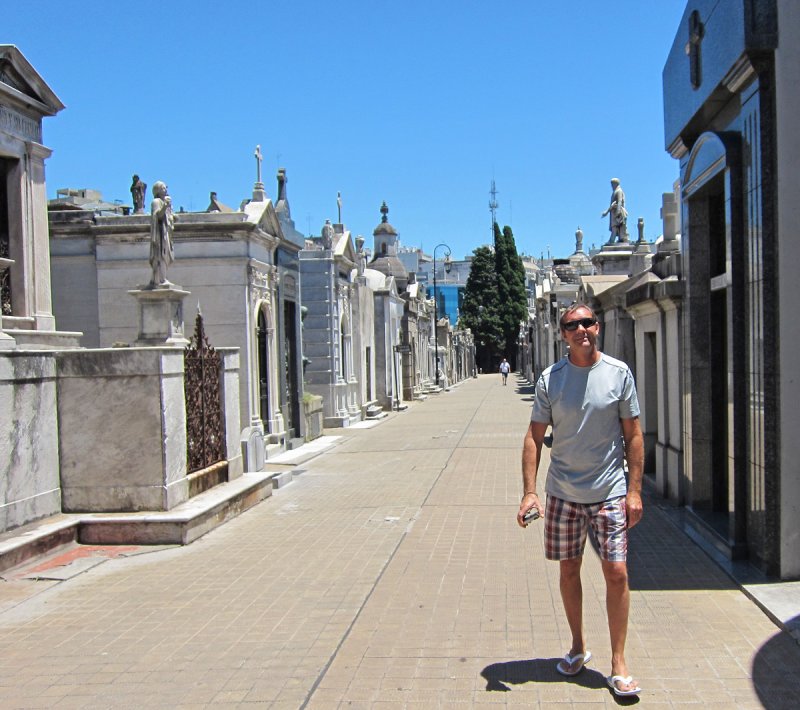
[24, 95]
[10, 76]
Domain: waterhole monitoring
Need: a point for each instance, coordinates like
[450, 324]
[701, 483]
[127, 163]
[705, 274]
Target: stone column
[669, 216]
[38, 273]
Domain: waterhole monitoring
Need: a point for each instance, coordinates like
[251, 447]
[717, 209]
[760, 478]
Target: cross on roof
[697, 31]
[259, 158]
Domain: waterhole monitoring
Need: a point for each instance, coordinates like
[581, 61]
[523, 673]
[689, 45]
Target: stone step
[295, 443]
[179, 526]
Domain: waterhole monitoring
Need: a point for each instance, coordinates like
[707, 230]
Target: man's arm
[531, 453]
[634, 454]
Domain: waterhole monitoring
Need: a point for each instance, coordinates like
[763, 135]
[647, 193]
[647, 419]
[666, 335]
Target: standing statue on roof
[617, 214]
[162, 224]
[138, 192]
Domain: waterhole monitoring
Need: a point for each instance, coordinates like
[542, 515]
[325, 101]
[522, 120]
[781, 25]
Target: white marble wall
[113, 263]
[29, 482]
[230, 402]
[122, 429]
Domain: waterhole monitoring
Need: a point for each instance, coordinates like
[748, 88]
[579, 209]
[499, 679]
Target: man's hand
[529, 500]
[634, 453]
[633, 503]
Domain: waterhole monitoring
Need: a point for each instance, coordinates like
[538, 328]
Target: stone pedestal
[614, 259]
[161, 315]
[6, 341]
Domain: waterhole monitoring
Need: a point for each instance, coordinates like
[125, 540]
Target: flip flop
[563, 666]
[612, 681]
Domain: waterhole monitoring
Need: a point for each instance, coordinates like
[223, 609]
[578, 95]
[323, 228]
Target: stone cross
[339, 205]
[259, 158]
[697, 31]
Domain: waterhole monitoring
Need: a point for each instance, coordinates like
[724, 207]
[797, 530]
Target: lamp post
[447, 266]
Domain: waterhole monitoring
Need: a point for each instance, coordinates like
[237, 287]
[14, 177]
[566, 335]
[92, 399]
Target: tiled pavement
[390, 574]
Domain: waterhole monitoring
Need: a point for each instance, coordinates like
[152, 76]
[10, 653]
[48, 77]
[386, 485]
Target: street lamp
[447, 265]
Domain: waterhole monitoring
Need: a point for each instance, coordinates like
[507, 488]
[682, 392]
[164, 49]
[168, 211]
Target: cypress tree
[513, 300]
[517, 304]
[480, 308]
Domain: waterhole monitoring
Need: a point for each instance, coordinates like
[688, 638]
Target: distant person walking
[505, 368]
[590, 400]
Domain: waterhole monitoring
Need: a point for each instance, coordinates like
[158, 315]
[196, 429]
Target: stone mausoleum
[732, 119]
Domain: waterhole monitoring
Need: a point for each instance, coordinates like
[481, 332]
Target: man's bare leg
[572, 598]
[618, 601]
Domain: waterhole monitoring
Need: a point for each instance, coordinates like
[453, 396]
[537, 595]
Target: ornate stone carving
[262, 282]
[19, 125]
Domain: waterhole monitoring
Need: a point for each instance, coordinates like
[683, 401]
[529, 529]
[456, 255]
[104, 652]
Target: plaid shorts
[566, 525]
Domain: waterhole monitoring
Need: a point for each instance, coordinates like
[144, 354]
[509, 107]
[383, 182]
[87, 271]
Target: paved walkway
[389, 574]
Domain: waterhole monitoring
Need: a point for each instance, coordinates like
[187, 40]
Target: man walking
[505, 368]
[590, 400]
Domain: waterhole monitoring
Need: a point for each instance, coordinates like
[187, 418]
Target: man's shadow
[500, 676]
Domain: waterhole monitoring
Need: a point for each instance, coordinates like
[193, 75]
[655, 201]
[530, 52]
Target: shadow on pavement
[775, 671]
[662, 557]
[526, 389]
[499, 676]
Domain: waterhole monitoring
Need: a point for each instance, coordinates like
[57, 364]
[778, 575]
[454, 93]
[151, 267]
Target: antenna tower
[493, 206]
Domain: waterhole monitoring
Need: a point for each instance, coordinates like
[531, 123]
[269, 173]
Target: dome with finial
[384, 227]
[386, 260]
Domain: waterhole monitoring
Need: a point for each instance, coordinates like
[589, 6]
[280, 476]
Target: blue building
[449, 298]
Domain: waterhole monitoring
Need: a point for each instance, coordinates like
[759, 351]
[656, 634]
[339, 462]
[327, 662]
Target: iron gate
[205, 433]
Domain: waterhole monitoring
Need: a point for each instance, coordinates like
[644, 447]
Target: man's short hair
[574, 307]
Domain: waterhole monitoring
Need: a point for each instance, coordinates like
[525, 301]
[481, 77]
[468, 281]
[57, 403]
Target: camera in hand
[531, 515]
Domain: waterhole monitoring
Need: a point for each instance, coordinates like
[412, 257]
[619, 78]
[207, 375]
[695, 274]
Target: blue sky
[420, 103]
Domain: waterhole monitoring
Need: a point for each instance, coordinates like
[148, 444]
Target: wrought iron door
[205, 432]
[5, 241]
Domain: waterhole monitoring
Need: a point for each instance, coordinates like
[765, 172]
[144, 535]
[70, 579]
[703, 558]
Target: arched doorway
[291, 367]
[262, 345]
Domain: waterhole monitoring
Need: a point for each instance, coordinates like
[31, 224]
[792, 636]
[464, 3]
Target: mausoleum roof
[391, 266]
[375, 279]
[385, 228]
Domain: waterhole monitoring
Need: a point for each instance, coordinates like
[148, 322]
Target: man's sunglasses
[571, 325]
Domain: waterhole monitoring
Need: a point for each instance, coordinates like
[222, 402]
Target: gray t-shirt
[585, 405]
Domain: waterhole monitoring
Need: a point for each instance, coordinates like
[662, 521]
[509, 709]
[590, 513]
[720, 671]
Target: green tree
[512, 297]
[480, 309]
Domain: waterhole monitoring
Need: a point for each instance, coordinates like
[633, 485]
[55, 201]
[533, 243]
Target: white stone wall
[127, 451]
[29, 481]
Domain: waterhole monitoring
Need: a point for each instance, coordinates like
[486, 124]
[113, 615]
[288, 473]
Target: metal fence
[205, 431]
